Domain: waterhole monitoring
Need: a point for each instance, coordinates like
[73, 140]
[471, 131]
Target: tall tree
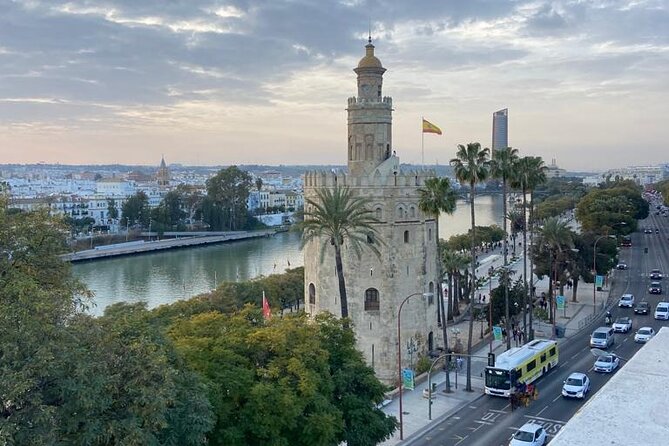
[227, 193]
[112, 210]
[169, 213]
[530, 173]
[438, 196]
[471, 166]
[502, 167]
[336, 217]
[555, 238]
[136, 209]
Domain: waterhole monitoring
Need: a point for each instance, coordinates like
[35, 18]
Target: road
[489, 420]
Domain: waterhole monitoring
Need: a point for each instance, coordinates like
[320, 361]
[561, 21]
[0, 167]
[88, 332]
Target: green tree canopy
[224, 207]
[136, 209]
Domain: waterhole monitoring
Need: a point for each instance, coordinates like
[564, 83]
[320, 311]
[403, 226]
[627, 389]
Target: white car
[576, 385]
[622, 325]
[626, 300]
[644, 334]
[607, 363]
[662, 311]
[529, 434]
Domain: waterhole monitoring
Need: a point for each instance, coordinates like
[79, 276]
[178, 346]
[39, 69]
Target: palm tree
[436, 197]
[557, 238]
[453, 263]
[471, 166]
[337, 216]
[502, 167]
[530, 173]
[517, 222]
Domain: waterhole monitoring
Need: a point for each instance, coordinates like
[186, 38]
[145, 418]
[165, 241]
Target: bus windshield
[497, 379]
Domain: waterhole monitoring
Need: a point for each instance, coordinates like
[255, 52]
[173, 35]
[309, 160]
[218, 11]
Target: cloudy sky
[249, 81]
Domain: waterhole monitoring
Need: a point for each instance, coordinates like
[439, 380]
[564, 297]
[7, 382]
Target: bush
[540, 313]
[423, 365]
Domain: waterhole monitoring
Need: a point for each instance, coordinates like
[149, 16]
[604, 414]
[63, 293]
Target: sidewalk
[415, 406]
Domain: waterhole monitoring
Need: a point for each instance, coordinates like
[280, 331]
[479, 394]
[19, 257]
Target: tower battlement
[394, 178]
[387, 100]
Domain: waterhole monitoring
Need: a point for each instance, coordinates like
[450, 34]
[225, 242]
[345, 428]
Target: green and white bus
[523, 364]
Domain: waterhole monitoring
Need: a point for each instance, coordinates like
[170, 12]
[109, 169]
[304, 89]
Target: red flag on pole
[266, 312]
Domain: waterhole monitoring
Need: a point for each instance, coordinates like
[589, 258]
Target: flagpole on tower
[422, 143]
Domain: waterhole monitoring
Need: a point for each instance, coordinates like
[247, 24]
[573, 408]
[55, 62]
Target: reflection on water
[489, 211]
[167, 276]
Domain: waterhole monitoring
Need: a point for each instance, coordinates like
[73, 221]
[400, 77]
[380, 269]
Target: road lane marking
[545, 419]
[557, 398]
[541, 411]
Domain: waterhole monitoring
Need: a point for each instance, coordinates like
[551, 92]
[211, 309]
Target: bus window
[531, 365]
[543, 357]
[552, 352]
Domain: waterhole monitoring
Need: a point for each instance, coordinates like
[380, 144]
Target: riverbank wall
[141, 247]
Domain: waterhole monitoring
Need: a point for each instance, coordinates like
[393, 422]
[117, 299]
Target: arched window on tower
[379, 213]
[400, 212]
[406, 236]
[312, 294]
[412, 212]
[371, 299]
[430, 297]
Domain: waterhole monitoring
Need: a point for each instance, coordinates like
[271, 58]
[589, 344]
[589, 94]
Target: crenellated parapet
[387, 101]
[379, 178]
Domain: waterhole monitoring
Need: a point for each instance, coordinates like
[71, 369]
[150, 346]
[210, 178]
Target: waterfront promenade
[140, 247]
[573, 319]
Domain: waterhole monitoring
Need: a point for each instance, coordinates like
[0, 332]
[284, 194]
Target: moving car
[656, 274]
[647, 231]
[622, 325]
[622, 265]
[529, 434]
[576, 385]
[626, 300]
[602, 337]
[662, 311]
[642, 307]
[644, 334]
[655, 288]
[606, 363]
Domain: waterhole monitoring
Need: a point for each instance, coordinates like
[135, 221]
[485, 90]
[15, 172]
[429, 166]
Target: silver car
[626, 300]
[644, 334]
[576, 385]
[607, 363]
[622, 325]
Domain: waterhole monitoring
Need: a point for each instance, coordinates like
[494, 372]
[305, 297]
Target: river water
[166, 276]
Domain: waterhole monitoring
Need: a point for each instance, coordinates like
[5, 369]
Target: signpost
[408, 379]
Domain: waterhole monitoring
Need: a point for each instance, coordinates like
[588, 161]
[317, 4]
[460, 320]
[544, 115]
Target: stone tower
[377, 285]
[163, 174]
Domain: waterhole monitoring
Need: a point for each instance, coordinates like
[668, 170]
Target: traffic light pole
[491, 363]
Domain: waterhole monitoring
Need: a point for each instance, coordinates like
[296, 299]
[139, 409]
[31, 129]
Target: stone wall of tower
[407, 239]
[369, 133]
[406, 265]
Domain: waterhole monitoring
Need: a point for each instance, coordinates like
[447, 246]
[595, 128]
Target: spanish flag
[428, 127]
[266, 312]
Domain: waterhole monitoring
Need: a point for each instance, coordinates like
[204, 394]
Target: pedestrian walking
[515, 337]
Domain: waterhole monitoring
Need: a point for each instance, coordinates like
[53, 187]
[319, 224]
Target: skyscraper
[500, 129]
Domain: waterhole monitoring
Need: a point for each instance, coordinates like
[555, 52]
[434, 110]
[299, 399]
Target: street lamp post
[594, 267]
[491, 271]
[399, 355]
